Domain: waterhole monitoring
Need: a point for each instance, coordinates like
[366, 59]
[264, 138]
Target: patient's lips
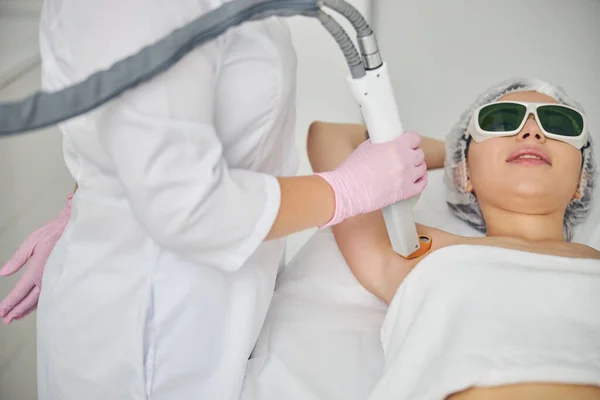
[529, 156]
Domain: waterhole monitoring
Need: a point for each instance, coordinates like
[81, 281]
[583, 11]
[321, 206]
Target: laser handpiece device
[369, 82]
[375, 95]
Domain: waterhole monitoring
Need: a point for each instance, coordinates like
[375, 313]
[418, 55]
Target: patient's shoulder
[441, 239]
[582, 251]
[552, 248]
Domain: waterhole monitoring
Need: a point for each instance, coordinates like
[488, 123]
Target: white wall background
[34, 183]
[441, 54]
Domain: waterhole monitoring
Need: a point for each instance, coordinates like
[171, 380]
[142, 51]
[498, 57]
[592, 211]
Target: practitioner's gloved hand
[34, 252]
[377, 175]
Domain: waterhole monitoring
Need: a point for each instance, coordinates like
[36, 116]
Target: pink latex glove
[34, 251]
[377, 175]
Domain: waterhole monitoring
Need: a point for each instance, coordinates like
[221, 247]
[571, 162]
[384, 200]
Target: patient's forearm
[330, 143]
[435, 152]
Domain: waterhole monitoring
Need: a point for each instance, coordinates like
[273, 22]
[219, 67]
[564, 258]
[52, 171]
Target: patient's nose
[531, 131]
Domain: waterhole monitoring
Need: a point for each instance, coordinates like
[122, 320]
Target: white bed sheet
[321, 337]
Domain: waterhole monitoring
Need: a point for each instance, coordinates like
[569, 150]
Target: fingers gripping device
[369, 81]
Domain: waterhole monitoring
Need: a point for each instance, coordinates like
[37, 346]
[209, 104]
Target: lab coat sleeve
[162, 142]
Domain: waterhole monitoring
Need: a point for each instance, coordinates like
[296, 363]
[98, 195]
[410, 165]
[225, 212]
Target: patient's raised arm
[363, 240]
[325, 137]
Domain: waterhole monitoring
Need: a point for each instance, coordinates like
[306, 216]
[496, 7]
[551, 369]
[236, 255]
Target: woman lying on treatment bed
[513, 315]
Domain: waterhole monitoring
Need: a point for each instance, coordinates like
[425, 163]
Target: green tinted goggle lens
[506, 117]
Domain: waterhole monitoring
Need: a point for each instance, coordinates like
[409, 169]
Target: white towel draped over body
[484, 316]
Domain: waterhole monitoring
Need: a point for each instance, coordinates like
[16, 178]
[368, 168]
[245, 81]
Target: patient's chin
[527, 198]
[557, 195]
[529, 203]
[529, 189]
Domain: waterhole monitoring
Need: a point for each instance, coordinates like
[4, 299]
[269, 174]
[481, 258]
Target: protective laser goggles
[507, 118]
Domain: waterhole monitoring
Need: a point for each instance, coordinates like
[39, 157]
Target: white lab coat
[161, 282]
